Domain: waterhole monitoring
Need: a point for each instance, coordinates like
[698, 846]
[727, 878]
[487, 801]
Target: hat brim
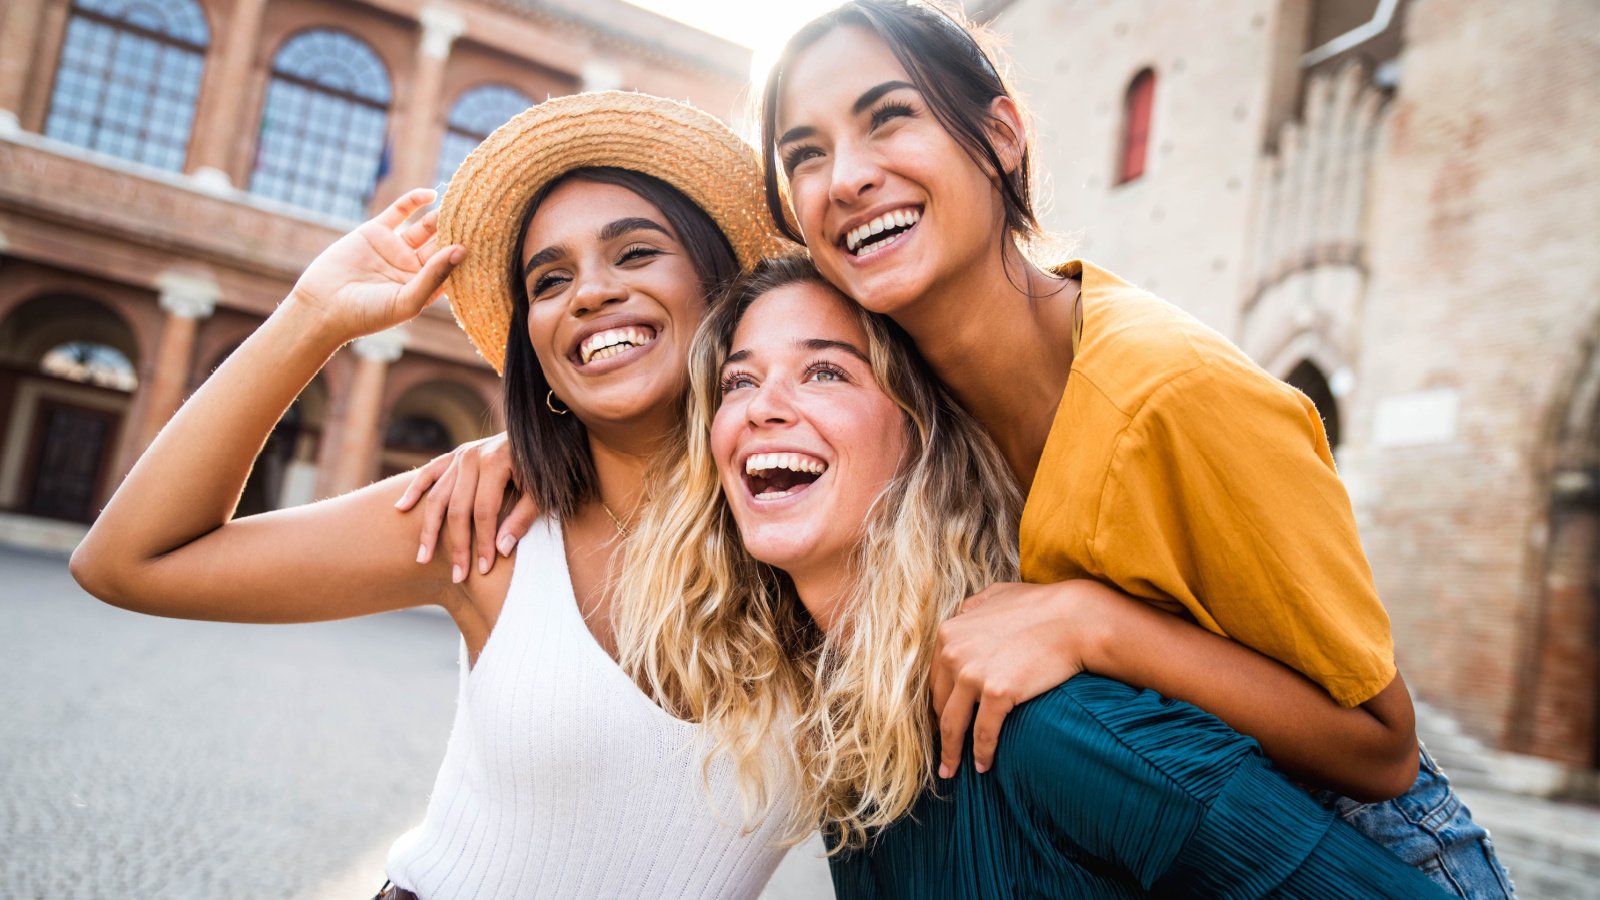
[490, 192]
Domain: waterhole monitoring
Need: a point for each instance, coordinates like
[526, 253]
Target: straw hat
[490, 193]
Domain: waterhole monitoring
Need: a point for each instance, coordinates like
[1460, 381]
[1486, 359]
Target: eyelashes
[732, 381]
[634, 253]
[794, 156]
[822, 367]
[881, 115]
[890, 110]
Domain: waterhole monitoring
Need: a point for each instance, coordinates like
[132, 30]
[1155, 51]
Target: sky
[761, 25]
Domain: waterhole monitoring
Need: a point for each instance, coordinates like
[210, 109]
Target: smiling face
[613, 300]
[805, 439]
[889, 203]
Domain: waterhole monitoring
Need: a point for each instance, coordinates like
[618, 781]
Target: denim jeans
[1429, 827]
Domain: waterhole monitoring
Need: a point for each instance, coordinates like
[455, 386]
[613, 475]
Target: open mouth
[773, 476]
[614, 341]
[881, 231]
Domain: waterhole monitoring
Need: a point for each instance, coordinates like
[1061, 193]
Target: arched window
[1309, 380]
[323, 129]
[128, 78]
[87, 362]
[1136, 108]
[478, 112]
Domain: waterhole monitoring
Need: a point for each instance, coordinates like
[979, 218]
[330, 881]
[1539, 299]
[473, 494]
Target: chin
[778, 546]
[637, 397]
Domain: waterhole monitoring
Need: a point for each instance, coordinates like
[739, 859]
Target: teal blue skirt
[1101, 790]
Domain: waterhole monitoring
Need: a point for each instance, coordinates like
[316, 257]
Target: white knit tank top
[562, 779]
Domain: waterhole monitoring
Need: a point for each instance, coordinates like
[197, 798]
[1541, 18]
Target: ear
[1005, 132]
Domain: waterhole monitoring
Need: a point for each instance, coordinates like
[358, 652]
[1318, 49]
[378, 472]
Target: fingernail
[457, 255]
[980, 767]
[422, 553]
[483, 565]
[456, 575]
[944, 770]
[398, 503]
[506, 545]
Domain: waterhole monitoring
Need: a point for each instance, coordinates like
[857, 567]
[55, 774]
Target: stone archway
[428, 419]
[68, 371]
[1560, 672]
[1308, 379]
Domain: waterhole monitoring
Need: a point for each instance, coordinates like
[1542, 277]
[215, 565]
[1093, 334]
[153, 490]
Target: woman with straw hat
[580, 242]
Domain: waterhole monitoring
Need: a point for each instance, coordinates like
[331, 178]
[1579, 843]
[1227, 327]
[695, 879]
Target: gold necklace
[621, 529]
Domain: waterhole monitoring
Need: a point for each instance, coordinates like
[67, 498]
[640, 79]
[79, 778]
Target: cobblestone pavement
[146, 757]
[149, 757]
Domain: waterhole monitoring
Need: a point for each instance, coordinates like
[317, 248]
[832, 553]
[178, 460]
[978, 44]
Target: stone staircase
[1550, 847]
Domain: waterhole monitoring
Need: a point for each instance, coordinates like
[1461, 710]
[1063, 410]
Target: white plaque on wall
[1416, 419]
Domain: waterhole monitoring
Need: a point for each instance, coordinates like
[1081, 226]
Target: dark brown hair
[945, 56]
[550, 451]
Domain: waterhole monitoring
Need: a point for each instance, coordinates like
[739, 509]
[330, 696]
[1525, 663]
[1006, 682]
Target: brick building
[1394, 205]
[167, 169]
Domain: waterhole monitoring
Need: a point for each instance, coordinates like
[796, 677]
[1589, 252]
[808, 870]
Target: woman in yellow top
[1156, 457]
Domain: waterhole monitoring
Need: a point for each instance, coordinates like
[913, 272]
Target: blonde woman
[830, 507]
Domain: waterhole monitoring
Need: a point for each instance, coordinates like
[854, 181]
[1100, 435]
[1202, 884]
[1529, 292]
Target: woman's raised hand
[465, 490]
[379, 275]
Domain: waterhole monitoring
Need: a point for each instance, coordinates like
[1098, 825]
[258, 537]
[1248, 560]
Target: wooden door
[71, 444]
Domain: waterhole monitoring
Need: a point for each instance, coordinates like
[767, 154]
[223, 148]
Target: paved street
[157, 758]
[147, 757]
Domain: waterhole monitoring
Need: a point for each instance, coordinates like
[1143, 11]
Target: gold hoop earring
[550, 404]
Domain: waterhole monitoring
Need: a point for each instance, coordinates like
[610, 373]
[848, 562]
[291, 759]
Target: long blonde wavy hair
[720, 638]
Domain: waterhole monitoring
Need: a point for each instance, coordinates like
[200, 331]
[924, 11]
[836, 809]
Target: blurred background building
[1391, 204]
[1395, 206]
[168, 168]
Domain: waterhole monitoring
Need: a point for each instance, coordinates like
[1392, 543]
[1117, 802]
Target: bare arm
[166, 544]
[1367, 752]
[1014, 641]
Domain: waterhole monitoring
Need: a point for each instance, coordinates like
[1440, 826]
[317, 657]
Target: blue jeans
[1429, 828]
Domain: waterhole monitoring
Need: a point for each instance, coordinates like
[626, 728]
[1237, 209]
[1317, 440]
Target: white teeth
[793, 462]
[878, 245]
[899, 218]
[609, 343]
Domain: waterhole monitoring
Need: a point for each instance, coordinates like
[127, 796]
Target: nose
[595, 289]
[772, 404]
[856, 173]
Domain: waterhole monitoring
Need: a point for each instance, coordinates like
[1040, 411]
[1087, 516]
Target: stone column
[19, 33]
[358, 438]
[219, 118]
[186, 301]
[416, 137]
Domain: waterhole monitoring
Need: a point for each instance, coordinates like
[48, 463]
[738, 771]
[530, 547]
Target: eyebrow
[868, 98]
[817, 344]
[610, 232]
[814, 345]
[872, 94]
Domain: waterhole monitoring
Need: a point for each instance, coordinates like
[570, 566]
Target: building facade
[167, 169]
[1392, 204]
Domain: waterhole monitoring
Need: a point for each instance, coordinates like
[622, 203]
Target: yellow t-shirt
[1181, 472]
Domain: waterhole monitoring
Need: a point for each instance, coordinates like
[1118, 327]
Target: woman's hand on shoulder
[463, 492]
[1010, 643]
[379, 275]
